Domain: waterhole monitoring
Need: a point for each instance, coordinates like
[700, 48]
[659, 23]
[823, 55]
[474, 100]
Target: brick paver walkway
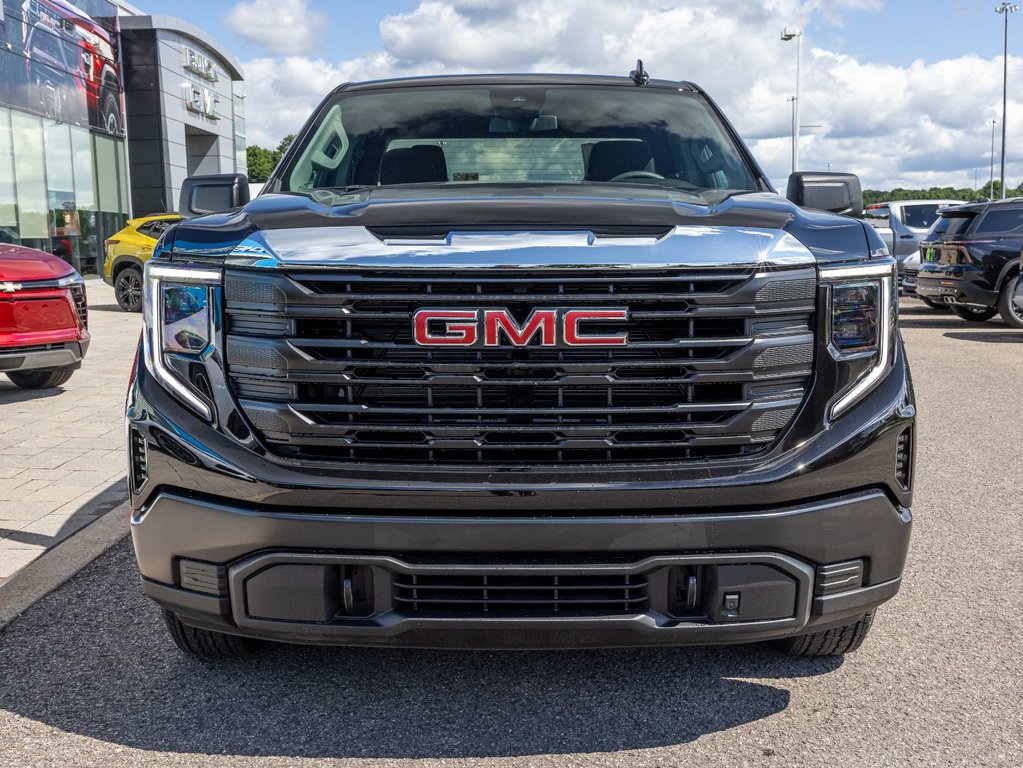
[62, 448]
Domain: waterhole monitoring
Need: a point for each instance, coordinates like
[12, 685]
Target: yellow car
[127, 251]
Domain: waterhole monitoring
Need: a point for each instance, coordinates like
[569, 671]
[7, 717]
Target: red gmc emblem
[497, 327]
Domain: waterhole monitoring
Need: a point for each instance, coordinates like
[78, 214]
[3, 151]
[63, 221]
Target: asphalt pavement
[62, 457]
[88, 676]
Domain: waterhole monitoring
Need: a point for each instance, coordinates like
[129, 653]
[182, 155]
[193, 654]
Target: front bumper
[44, 356]
[282, 572]
[907, 282]
[211, 515]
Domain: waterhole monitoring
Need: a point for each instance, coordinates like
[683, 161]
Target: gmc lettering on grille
[498, 327]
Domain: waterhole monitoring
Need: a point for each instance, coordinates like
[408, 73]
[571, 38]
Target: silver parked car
[902, 224]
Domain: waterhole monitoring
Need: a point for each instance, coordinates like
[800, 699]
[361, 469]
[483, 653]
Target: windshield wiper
[327, 195]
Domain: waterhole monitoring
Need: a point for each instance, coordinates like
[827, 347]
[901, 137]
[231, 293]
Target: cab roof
[517, 79]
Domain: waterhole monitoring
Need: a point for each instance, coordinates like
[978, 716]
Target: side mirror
[212, 194]
[835, 192]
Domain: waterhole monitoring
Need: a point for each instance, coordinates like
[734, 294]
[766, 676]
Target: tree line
[986, 192]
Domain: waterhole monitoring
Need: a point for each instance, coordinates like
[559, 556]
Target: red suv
[43, 318]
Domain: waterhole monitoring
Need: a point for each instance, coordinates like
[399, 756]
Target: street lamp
[1006, 9]
[790, 33]
[993, 124]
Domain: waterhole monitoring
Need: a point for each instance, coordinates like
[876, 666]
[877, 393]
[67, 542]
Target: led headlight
[186, 317]
[861, 327]
[854, 316]
[68, 280]
[180, 329]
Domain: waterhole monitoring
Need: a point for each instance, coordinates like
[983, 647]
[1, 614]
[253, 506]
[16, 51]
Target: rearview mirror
[529, 125]
[212, 194]
[835, 192]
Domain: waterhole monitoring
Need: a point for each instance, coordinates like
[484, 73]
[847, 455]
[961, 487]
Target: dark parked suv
[512, 361]
[971, 260]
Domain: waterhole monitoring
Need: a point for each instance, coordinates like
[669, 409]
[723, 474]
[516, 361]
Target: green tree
[261, 163]
[283, 146]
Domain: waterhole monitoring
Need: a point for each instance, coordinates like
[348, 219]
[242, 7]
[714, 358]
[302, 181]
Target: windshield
[519, 134]
[950, 227]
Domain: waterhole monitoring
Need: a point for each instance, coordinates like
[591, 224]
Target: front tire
[974, 315]
[110, 112]
[205, 643]
[44, 379]
[128, 289]
[830, 642]
[1012, 316]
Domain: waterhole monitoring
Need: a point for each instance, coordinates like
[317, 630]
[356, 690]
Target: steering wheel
[636, 175]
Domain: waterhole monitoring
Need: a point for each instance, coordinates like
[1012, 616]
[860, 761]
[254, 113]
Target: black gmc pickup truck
[520, 361]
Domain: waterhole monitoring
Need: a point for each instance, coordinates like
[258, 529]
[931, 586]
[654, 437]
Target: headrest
[613, 158]
[413, 165]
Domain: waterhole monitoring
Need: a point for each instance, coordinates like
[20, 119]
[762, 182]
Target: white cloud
[281, 27]
[918, 125]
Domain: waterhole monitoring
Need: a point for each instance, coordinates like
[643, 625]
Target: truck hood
[22, 265]
[487, 226]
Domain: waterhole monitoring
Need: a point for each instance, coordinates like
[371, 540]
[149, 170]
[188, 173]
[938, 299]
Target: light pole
[1005, 9]
[993, 124]
[790, 33]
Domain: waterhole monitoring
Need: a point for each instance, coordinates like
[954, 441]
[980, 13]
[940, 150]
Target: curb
[55, 566]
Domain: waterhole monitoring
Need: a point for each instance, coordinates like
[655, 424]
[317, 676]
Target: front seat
[613, 158]
[413, 165]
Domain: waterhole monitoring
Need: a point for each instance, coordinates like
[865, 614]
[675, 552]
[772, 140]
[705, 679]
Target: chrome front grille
[325, 366]
[81, 304]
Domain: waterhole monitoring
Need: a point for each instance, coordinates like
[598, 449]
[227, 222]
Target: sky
[900, 92]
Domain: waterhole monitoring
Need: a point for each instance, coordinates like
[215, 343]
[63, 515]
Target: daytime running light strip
[175, 273]
[154, 347]
[841, 273]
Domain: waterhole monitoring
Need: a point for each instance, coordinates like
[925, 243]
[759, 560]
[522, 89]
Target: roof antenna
[639, 75]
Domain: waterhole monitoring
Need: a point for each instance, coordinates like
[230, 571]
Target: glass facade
[63, 185]
[66, 132]
[63, 188]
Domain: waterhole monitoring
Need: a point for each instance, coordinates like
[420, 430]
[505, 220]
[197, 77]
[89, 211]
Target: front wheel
[830, 642]
[128, 289]
[44, 379]
[973, 315]
[205, 643]
[110, 112]
[1006, 308]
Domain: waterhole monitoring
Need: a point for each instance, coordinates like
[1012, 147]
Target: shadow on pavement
[103, 502]
[916, 307]
[107, 308]
[939, 321]
[93, 659]
[993, 337]
[11, 393]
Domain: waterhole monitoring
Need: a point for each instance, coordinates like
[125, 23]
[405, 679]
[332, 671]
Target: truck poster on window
[60, 59]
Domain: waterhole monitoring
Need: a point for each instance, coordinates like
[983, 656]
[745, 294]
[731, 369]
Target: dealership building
[104, 111]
